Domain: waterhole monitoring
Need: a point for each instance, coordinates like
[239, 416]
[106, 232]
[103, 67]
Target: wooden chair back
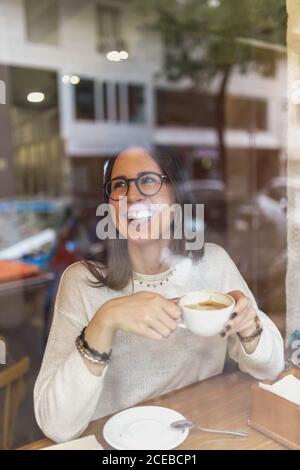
[13, 391]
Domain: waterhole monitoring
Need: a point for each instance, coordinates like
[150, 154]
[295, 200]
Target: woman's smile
[140, 212]
[142, 218]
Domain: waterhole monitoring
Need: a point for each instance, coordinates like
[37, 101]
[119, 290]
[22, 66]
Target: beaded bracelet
[257, 332]
[89, 353]
[83, 353]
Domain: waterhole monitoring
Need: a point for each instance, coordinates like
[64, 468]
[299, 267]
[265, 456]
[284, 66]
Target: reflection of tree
[205, 39]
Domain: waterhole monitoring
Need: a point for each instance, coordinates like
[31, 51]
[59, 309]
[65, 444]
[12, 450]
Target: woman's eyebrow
[120, 176]
[138, 174]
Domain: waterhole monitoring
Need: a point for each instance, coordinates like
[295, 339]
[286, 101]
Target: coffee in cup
[207, 305]
[206, 312]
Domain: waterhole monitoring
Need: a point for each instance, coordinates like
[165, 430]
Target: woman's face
[141, 218]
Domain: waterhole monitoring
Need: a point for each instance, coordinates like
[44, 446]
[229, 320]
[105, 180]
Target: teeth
[139, 214]
[140, 211]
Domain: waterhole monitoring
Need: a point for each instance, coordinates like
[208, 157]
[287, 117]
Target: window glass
[42, 21]
[85, 100]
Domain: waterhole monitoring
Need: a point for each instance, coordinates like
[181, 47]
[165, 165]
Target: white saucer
[144, 428]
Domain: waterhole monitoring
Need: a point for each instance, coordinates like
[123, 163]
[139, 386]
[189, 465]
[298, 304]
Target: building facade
[94, 107]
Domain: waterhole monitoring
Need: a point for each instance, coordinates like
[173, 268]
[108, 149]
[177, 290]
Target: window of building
[104, 101]
[185, 108]
[101, 101]
[246, 113]
[110, 101]
[190, 109]
[136, 103]
[118, 97]
[42, 21]
[85, 100]
[109, 29]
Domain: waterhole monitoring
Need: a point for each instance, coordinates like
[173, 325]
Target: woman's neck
[149, 259]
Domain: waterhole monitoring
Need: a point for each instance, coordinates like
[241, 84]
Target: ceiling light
[35, 97]
[113, 56]
[74, 79]
[123, 55]
[66, 79]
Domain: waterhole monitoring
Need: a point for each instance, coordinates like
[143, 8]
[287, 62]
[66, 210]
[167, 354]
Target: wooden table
[221, 402]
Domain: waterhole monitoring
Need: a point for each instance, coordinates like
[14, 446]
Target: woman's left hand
[242, 320]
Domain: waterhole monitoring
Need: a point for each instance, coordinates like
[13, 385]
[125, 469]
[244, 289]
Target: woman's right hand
[145, 314]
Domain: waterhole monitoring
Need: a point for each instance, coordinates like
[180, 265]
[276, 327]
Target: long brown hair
[112, 268]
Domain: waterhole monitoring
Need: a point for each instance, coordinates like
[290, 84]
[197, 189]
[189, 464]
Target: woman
[126, 305]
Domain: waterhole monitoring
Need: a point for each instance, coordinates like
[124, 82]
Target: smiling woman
[115, 339]
[163, 184]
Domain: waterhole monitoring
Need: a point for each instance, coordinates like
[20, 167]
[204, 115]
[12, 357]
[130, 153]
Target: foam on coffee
[209, 304]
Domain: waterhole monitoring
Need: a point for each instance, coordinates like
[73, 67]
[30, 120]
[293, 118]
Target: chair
[14, 390]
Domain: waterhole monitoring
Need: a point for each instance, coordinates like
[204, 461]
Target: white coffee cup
[207, 321]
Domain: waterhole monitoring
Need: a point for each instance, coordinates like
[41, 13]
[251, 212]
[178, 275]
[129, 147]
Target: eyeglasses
[147, 183]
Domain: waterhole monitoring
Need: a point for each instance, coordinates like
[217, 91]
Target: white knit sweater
[67, 396]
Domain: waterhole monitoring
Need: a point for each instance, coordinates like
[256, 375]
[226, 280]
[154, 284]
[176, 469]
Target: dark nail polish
[228, 327]
[222, 334]
[233, 315]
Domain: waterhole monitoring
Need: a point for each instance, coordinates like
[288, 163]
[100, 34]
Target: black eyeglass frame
[136, 182]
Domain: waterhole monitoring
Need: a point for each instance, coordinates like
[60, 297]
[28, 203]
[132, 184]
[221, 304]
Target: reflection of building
[94, 107]
[255, 126]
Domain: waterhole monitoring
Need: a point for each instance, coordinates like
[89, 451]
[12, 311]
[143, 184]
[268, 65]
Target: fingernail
[233, 315]
[228, 327]
[223, 334]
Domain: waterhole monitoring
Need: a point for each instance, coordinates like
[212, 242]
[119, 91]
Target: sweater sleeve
[267, 361]
[66, 392]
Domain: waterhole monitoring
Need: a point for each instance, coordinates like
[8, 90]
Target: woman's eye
[148, 180]
[119, 185]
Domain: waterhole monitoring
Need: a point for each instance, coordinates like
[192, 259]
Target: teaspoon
[185, 424]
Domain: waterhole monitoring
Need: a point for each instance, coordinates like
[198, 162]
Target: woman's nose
[133, 193]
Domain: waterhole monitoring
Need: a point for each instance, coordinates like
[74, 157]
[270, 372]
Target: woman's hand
[145, 314]
[242, 320]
